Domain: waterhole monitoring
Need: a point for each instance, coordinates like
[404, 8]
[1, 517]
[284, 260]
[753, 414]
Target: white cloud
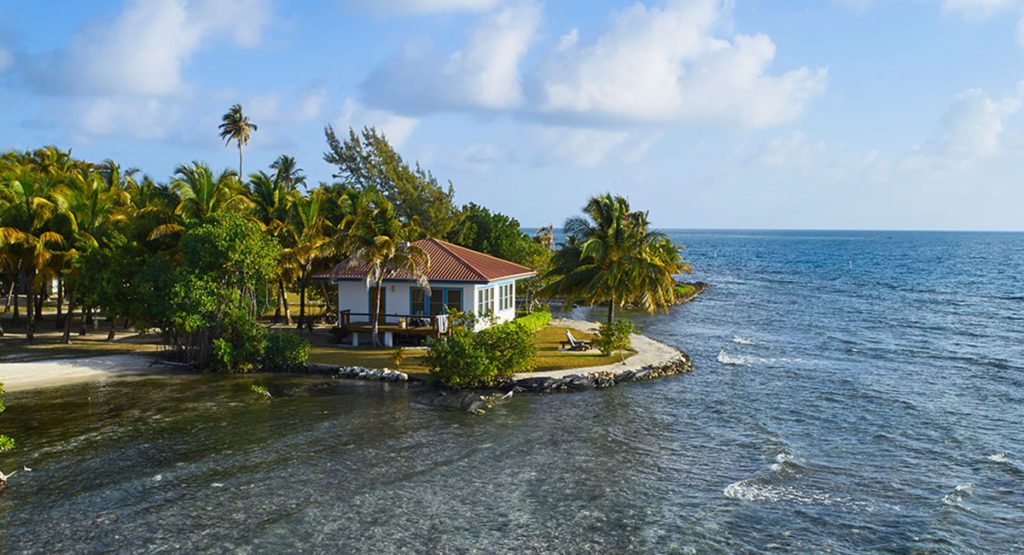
[395, 127]
[424, 6]
[972, 129]
[666, 64]
[484, 74]
[976, 9]
[144, 49]
[278, 108]
[6, 59]
[790, 150]
[140, 118]
[651, 65]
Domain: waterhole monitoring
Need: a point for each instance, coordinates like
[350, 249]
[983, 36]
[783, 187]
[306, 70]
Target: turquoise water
[853, 393]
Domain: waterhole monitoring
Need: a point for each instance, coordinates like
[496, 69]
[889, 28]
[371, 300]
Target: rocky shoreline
[540, 384]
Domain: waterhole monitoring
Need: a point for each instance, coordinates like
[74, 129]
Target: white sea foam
[956, 497]
[755, 490]
[780, 462]
[731, 360]
[742, 341]
[1003, 457]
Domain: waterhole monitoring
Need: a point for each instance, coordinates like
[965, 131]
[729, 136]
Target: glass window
[485, 302]
[417, 301]
[436, 301]
[506, 296]
[454, 301]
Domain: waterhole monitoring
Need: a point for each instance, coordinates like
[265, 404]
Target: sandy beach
[19, 376]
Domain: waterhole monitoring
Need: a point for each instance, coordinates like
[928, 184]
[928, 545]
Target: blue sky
[852, 114]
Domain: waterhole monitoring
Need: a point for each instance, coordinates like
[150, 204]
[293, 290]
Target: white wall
[354, 296]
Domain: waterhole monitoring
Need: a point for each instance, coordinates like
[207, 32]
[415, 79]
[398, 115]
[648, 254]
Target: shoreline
[24, 376]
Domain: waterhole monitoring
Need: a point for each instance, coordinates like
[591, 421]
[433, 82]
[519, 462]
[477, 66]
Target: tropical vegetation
[204, 256]
[612, 256]
[484, 358]
[6, 443]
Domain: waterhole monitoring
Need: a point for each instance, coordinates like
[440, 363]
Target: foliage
[614, 337]
[235, 126]
[496, 234]
[227, 265]
[467, 359]
[535, 321]
[260, 390]
[284, 351]
[6, 443]
[377, 239]
[613, 257]
[367, 162]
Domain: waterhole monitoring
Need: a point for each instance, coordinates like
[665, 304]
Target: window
[506, 296]
[485, 302]
[439, 301]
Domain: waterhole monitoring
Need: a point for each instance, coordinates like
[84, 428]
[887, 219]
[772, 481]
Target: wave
[957, 497]
[731, 360]
[754, 490]
[742, 341]
[1003, 457]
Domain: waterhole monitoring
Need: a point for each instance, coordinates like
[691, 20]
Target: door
[383, 303]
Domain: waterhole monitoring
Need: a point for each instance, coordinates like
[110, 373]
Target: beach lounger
[574, 344]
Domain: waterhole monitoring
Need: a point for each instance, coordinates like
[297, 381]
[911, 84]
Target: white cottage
[460, 279]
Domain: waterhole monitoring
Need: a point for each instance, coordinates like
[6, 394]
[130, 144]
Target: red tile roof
[448, 262]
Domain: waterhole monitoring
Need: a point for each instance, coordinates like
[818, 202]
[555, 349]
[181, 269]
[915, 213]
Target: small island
[108, 272]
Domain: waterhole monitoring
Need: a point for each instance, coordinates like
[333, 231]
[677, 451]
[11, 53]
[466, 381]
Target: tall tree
[366, 161]
[306, 239]
[202, 194]
[612, 256]
[235, 126]
[375, 238]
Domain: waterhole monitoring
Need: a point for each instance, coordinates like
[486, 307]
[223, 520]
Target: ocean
[853, 392]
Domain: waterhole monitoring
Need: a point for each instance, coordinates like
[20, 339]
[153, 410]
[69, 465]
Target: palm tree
[202, 194]
[306, 239]
[612, 256]
[374, 237]
[235, 126]
[272, 198]
[288, 172]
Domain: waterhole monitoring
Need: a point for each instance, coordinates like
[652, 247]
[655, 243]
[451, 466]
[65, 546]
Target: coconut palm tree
[611, 256]
[374, 237]
[202, 194]
[272, 197]
[235, 126]
[288, 172]
[306, 236]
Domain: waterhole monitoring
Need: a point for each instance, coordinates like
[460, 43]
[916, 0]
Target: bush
[284, 351]
[467, 359]
[241, 344]
[614, 337]
[535, 321]
[6, 443]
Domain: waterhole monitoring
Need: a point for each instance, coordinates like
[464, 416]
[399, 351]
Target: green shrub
[6, 443]
[241, 344]
[535, 321]
[284, 351]
[261, 390]
[467, 359]
[614, 337]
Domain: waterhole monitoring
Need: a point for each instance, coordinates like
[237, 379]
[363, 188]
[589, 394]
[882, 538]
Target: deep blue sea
[854, 392]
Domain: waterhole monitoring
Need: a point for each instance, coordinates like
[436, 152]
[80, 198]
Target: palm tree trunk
[10, 295]
[284, 302]
[302, 304]
[375, 317]
[60, 302]
[240, 178]
[611, 309]
[277, 308]
[67, 320]
[113, 327]
[30, 328]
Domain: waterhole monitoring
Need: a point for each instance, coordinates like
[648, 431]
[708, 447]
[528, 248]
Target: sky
[789, 114]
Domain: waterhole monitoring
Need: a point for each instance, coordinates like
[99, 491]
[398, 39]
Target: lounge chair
[574, 344]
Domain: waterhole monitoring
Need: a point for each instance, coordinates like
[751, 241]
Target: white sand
[18, 376]
[648, 352]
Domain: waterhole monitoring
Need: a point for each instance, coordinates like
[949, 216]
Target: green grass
[550, 356]
[413, 359]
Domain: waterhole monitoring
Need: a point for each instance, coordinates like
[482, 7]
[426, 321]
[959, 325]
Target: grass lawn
[47, 346]
[550, 356]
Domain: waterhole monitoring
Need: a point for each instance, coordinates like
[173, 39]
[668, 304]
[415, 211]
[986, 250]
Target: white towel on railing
[442, 323]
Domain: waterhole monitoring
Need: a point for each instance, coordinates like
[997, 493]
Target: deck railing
[438, 322]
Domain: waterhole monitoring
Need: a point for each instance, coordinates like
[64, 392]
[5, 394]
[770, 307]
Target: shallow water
[854, 392]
